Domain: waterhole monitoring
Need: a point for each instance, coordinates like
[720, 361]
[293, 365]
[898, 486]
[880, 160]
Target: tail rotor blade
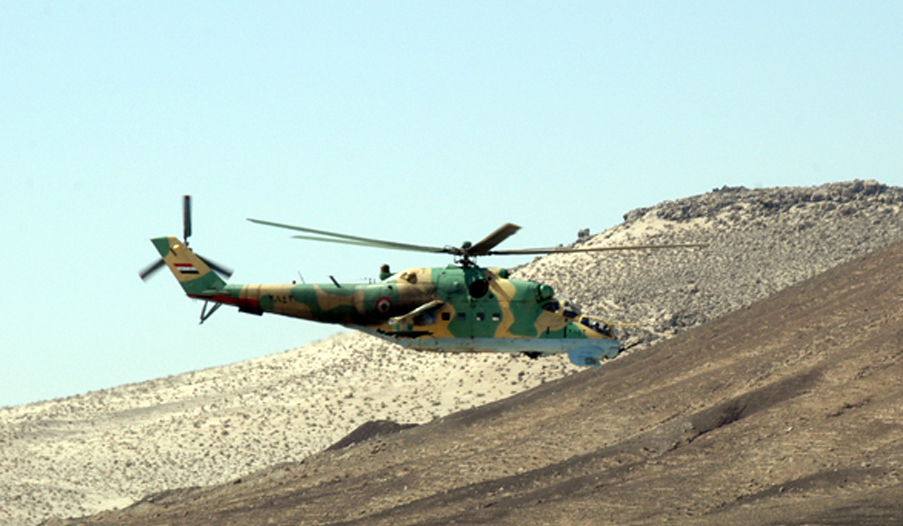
[149, 270]
[216, 267]
[186, 217]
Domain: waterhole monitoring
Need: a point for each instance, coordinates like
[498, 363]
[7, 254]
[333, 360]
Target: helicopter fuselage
[457, 308]
[445, 309]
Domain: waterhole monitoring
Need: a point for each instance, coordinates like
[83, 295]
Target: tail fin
[191, 271]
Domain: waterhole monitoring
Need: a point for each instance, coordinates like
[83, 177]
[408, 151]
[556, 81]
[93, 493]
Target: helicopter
[461, 307]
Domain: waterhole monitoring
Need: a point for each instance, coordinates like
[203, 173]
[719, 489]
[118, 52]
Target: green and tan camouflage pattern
[447, 309]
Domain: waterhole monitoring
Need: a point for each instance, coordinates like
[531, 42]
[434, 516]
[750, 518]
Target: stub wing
[423, 309]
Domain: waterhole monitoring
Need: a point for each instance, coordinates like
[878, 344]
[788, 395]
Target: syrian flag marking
[186, 268]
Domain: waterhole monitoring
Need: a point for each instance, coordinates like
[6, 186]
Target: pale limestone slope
[86, 453]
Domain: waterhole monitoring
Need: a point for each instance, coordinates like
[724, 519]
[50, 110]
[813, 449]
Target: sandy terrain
[106, 449]
[103, 450]
[786, 412]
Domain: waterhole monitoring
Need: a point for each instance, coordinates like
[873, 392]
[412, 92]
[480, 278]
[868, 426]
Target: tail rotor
[151, 269]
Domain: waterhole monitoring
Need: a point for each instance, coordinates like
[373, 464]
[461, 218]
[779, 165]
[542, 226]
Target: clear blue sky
[424, 122]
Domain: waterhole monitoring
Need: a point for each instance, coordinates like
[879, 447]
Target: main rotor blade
[373, 244]
[484, 246]
[149, 270]
[538, 251]
[352, 240]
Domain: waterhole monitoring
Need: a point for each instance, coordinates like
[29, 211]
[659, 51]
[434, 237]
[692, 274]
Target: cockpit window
[562, 307]
[569, 309]
[599, 326]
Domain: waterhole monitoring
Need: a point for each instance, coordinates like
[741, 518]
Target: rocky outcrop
[760, 241]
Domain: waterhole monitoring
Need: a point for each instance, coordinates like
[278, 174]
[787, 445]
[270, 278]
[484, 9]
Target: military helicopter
[461, 307]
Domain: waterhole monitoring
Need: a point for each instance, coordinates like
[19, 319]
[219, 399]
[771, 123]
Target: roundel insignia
[383, 305]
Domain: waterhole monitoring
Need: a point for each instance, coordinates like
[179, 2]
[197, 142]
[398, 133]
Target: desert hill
[107, 449]
[784, 412]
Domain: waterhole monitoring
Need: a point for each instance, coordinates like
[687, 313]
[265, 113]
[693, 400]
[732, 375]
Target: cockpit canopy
[568, 309]
[563, 307]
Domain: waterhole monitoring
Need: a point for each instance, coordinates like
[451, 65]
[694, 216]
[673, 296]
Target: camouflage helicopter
[461, 307]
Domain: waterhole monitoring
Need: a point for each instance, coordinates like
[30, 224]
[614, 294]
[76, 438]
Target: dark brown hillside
[786, 412]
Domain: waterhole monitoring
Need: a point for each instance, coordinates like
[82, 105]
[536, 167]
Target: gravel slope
[786, 412]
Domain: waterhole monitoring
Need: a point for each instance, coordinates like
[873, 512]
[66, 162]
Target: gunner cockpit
[568, 309]
[563, 307]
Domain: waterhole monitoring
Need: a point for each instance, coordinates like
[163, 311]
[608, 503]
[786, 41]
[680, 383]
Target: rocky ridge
[761, 241]
[106, 449]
